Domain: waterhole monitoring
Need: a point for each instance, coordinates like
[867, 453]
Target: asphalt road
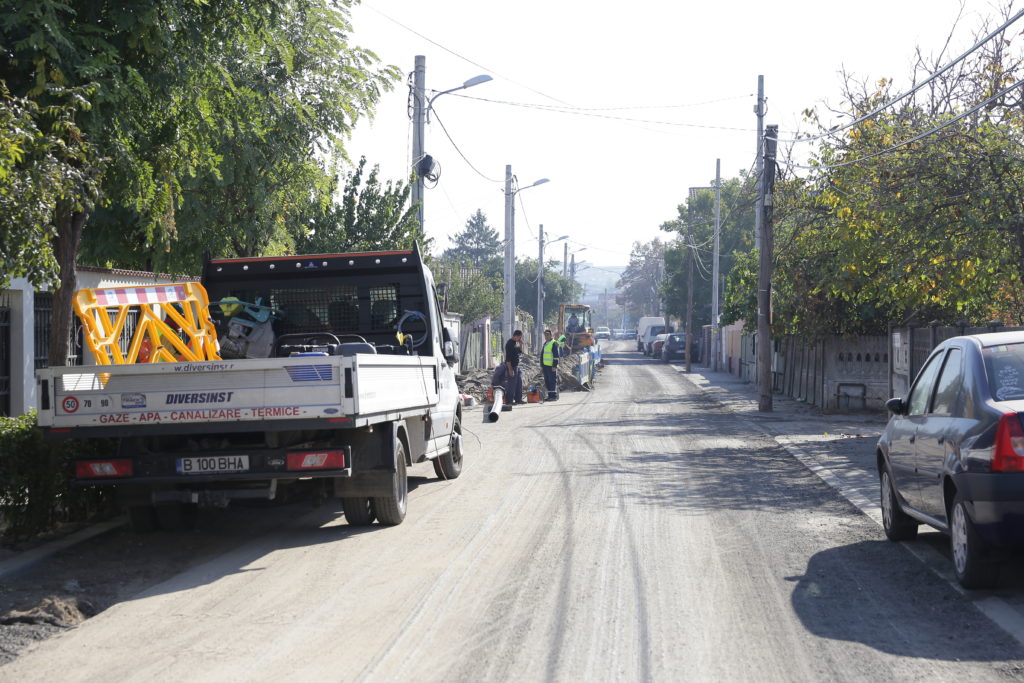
[639, 532]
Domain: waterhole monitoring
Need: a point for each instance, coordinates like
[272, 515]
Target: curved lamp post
[420, 113]
[508, 315]
[538, 339]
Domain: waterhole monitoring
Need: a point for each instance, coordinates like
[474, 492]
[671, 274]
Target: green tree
[176, 83]
[470, 290]
[886, 232]
[640, 283]
[370, 216]
[695, 226]
[44, 164]
[478, 242]
[557, 289]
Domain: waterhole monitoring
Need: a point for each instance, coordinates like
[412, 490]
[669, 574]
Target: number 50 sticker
[70, 404]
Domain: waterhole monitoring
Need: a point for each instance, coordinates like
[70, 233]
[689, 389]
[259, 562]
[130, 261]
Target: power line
[910, 92]
[916, 138]
[575, 111]
[441, 123]
[463, 58]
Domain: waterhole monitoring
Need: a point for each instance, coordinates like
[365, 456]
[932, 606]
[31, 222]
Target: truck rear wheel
[391, 509]
[449, 465]
[358, 511]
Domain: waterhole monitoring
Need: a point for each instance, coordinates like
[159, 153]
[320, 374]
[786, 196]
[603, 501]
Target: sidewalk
[839, 448]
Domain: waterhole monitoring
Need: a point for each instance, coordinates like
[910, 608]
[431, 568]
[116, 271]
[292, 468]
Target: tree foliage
[210, 125]
[695, 227]
[640, 283]
[557, 289]
[478, 242]
[370, 216]
[471, 291]
[883, 231]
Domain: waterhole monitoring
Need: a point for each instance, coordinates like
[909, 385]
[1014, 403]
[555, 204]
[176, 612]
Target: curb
[30, 557]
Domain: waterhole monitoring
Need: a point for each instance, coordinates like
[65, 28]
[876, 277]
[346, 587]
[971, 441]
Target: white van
[647, 329]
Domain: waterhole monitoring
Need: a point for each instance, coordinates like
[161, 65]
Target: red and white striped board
[159, 294]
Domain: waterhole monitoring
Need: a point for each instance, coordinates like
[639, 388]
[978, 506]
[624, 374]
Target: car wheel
[358, 510]
[449, 465]
[898, 525]
[391, 508]
[973, 566]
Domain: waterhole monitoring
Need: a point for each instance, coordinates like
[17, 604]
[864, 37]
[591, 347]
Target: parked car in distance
[602, 333]
[629, 334]
[952, 455]
[675, 347]
[646, 329]
[656, 345]
[618, 333]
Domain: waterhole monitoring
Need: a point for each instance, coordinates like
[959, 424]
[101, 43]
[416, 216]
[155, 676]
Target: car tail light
[1009, 451]
[103, 469]
[316, 460]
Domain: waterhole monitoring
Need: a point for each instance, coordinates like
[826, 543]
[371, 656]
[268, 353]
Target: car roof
[988, 339]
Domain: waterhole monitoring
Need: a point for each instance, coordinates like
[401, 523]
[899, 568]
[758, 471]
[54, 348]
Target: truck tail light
[1009, 451]
[316, 460]
[103, 469]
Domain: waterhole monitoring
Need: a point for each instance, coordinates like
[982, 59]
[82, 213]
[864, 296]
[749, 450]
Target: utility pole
[565, 259]
[715, 337]
[508, 319]
[758, 162]
[764, 278]
[419, 116]
[540, 288]
[689, 286]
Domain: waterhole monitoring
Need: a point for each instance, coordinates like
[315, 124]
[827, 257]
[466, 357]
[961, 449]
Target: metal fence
[911, 345]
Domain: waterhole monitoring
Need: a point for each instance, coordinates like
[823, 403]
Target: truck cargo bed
[278, 393]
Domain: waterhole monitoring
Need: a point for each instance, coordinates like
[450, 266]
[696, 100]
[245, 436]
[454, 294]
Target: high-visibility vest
[548, 353]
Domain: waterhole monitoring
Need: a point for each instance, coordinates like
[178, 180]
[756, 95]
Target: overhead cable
[493, 180]
[877, 110]
[912, 140]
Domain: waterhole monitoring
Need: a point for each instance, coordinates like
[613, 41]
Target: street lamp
[508, 315]
[572, 266]
[538, 340]
[420, 113]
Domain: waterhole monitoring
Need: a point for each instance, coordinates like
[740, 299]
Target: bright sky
[692, 65]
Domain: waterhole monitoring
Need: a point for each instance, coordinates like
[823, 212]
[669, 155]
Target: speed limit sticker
[70, 404]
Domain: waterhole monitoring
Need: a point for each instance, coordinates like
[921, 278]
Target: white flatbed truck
[356, 386]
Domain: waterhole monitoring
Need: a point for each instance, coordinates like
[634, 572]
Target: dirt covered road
[636, 532]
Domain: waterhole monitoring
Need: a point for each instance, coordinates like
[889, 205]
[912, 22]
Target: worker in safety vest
[549, 361]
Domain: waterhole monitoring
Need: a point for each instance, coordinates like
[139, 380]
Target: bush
[35, 492]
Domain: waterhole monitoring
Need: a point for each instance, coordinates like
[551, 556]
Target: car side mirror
[451, 352]
[896, 406]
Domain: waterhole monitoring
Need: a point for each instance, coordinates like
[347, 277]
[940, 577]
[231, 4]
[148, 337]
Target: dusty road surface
[638, 533]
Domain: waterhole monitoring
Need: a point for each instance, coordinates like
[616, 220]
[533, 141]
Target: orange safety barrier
[105, 311]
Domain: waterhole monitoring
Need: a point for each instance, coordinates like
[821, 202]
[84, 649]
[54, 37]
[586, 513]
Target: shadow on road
[865, 592]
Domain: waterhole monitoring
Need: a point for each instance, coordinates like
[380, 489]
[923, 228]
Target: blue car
[952, 455]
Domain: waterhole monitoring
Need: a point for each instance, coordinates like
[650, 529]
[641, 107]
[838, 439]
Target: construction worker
[506, 375]
[548, 362]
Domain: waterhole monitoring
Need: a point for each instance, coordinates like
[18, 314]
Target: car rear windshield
[1004, 365]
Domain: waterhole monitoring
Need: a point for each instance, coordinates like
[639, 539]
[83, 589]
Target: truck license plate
[213, 464]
